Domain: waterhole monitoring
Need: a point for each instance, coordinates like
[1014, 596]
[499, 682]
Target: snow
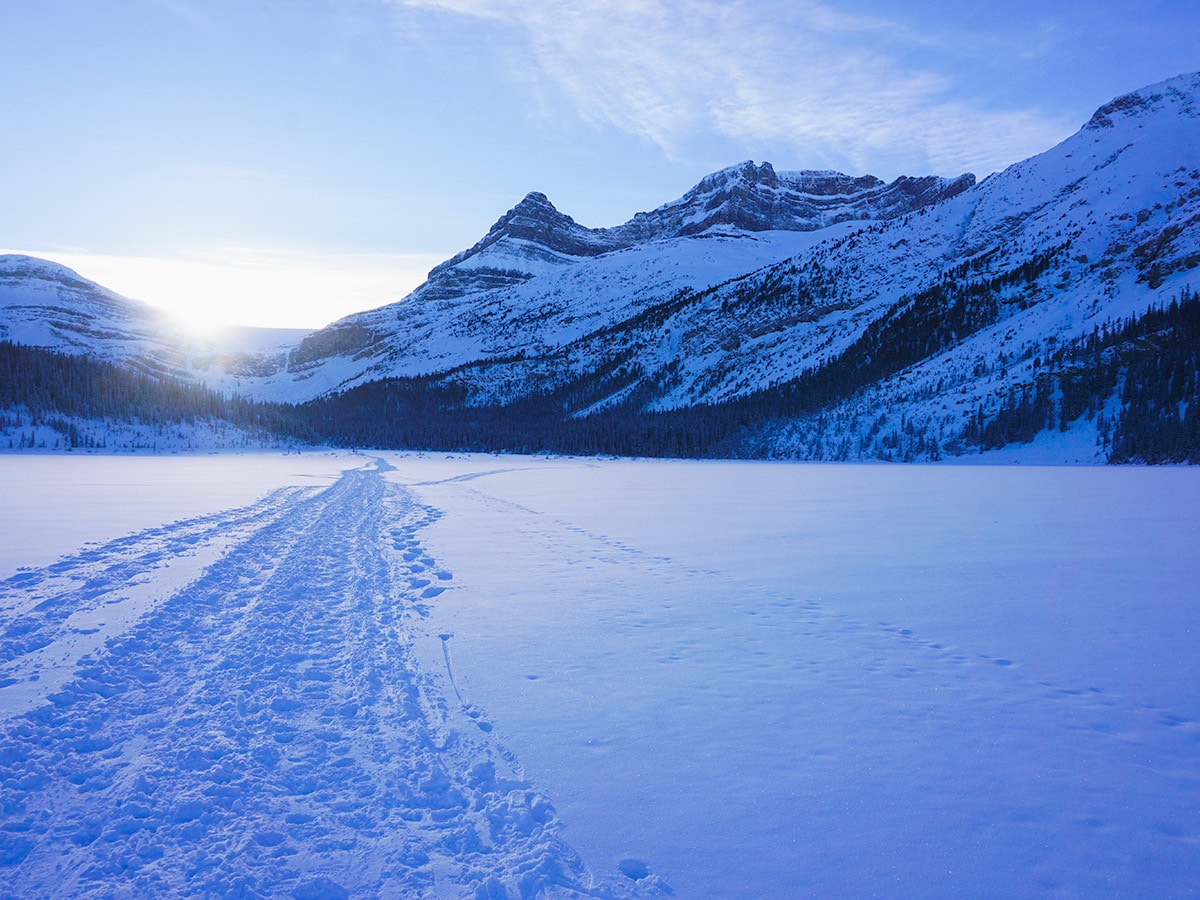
[776, 680]
[105, 497]
[463, 675]
[560, 305]
[1111, 211]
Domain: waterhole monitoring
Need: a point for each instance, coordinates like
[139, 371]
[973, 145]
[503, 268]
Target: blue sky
[286, 162]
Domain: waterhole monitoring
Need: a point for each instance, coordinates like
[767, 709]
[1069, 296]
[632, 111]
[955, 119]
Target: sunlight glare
[250, 287]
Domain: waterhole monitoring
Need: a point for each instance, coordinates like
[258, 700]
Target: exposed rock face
[1179, 92]
[536, 221]
[757, 198]
[533, 235]
[529, 238]
[337, 340]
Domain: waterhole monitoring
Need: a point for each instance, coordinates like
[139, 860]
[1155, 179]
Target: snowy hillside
[1096, 230]
[814, 314]
[44, 304]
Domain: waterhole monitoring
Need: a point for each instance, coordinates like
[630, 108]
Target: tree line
[48, 385]
[1139, 378]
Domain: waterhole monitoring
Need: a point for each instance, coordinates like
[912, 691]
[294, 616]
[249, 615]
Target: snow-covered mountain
[927, 300]
[44, 304]
[538, 280]
[1098, 228]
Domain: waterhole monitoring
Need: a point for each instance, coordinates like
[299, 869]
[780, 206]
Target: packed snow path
[265, 730]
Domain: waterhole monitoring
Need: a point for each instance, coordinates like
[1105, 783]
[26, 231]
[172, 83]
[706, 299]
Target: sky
[287, 162]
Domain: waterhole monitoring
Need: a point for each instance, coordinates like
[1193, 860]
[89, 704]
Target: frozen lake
[729, 679]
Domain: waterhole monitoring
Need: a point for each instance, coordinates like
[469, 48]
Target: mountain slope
[1098, 229]
[803, 314]
[966, 296]
[538, 280]
[44, 304]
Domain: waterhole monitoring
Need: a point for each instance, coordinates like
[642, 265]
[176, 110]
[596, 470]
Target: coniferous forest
[52, 388]
[1138, 379]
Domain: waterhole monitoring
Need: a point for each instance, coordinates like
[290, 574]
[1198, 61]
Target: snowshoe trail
[265, 730]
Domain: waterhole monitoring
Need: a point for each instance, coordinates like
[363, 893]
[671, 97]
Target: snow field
[429, 675]
[54, 504]
[795, 680]
[263, 731]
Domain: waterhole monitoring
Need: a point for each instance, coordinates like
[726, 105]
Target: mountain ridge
[968, 286]
[745, 197]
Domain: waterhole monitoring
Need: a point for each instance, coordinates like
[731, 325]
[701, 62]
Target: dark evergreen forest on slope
[54, 388]
[1139, 380]
[1151, 364]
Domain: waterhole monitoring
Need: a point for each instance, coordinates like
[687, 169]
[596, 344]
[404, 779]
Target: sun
[197, 321]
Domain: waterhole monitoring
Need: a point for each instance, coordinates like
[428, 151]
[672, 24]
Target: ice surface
[51, 506]
[490, 676]
[780, 680]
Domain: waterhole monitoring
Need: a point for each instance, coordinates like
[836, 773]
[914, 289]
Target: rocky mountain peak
[533, 229]
[536, 219]
[749, 197]
[815, 182]
[1182, 93]
[743, 173]
[535, 207]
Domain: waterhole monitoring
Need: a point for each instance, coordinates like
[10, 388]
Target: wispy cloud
[183, 9]
[799, 74]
